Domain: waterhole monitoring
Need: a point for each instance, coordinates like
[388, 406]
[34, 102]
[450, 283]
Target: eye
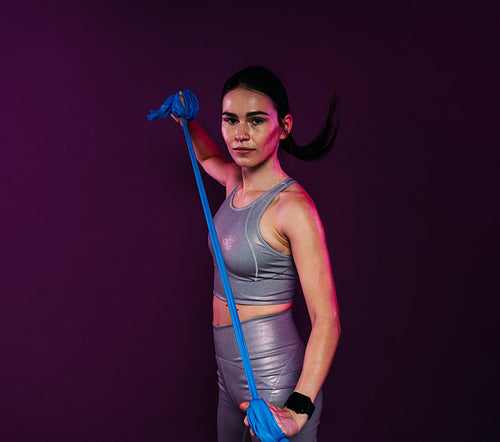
[257, 120]
[230, 120]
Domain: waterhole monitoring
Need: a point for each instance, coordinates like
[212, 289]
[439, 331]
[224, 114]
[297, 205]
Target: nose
[241, 133]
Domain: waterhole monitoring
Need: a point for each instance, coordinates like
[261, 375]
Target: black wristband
[301, 404]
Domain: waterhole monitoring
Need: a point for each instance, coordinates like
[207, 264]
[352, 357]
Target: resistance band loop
[259, 415]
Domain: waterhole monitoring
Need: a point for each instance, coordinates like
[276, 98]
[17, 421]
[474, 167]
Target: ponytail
[324, 141]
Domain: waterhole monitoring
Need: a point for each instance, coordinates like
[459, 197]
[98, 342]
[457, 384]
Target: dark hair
[260, 79]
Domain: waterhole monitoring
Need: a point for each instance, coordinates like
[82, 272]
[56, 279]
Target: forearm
[210, 157]
[204, 147]
[320, 349]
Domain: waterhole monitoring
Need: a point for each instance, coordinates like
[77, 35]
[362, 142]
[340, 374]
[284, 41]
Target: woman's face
[250, 127]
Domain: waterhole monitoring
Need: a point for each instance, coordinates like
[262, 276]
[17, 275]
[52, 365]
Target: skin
[290, 224]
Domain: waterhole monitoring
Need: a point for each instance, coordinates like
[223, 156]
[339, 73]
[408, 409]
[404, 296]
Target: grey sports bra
[258, 274]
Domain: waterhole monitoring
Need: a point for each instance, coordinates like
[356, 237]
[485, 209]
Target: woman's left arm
[304, 230]
[307, 240]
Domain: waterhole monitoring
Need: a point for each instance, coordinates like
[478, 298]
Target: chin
[244, 162]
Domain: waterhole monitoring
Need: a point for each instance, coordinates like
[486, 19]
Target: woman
[271, 237]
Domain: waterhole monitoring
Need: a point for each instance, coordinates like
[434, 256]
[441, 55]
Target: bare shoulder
[295, 209]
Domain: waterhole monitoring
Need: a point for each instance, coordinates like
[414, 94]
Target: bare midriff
[223, 317]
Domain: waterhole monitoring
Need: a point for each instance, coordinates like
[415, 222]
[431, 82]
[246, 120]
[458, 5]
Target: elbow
[330, 323]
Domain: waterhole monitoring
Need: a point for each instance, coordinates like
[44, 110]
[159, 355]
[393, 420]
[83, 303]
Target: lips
[243, 149]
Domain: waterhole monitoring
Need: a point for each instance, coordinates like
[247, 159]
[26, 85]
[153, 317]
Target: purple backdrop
[105, 306]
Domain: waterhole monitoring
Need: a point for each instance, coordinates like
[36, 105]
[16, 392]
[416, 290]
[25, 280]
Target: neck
[263, 177]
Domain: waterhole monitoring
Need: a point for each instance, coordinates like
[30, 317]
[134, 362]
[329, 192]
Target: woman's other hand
[290, 422]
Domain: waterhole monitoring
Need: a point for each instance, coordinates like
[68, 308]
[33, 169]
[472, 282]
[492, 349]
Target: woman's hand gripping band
[182, 104]
[288, 422]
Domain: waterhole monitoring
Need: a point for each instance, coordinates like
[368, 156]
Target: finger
[176, 119]
[244, 405]
[182, 99]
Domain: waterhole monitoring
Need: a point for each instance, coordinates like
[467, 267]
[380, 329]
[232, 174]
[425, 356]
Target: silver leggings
[277, 354]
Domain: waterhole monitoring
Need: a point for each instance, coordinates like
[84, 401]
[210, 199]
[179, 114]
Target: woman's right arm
[209, 156]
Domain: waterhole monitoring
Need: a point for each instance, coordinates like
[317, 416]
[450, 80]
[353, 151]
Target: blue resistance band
[259, 415]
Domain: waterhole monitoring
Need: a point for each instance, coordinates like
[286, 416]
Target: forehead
[243, 101]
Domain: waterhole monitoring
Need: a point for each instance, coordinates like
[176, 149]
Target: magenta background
[105, 321]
